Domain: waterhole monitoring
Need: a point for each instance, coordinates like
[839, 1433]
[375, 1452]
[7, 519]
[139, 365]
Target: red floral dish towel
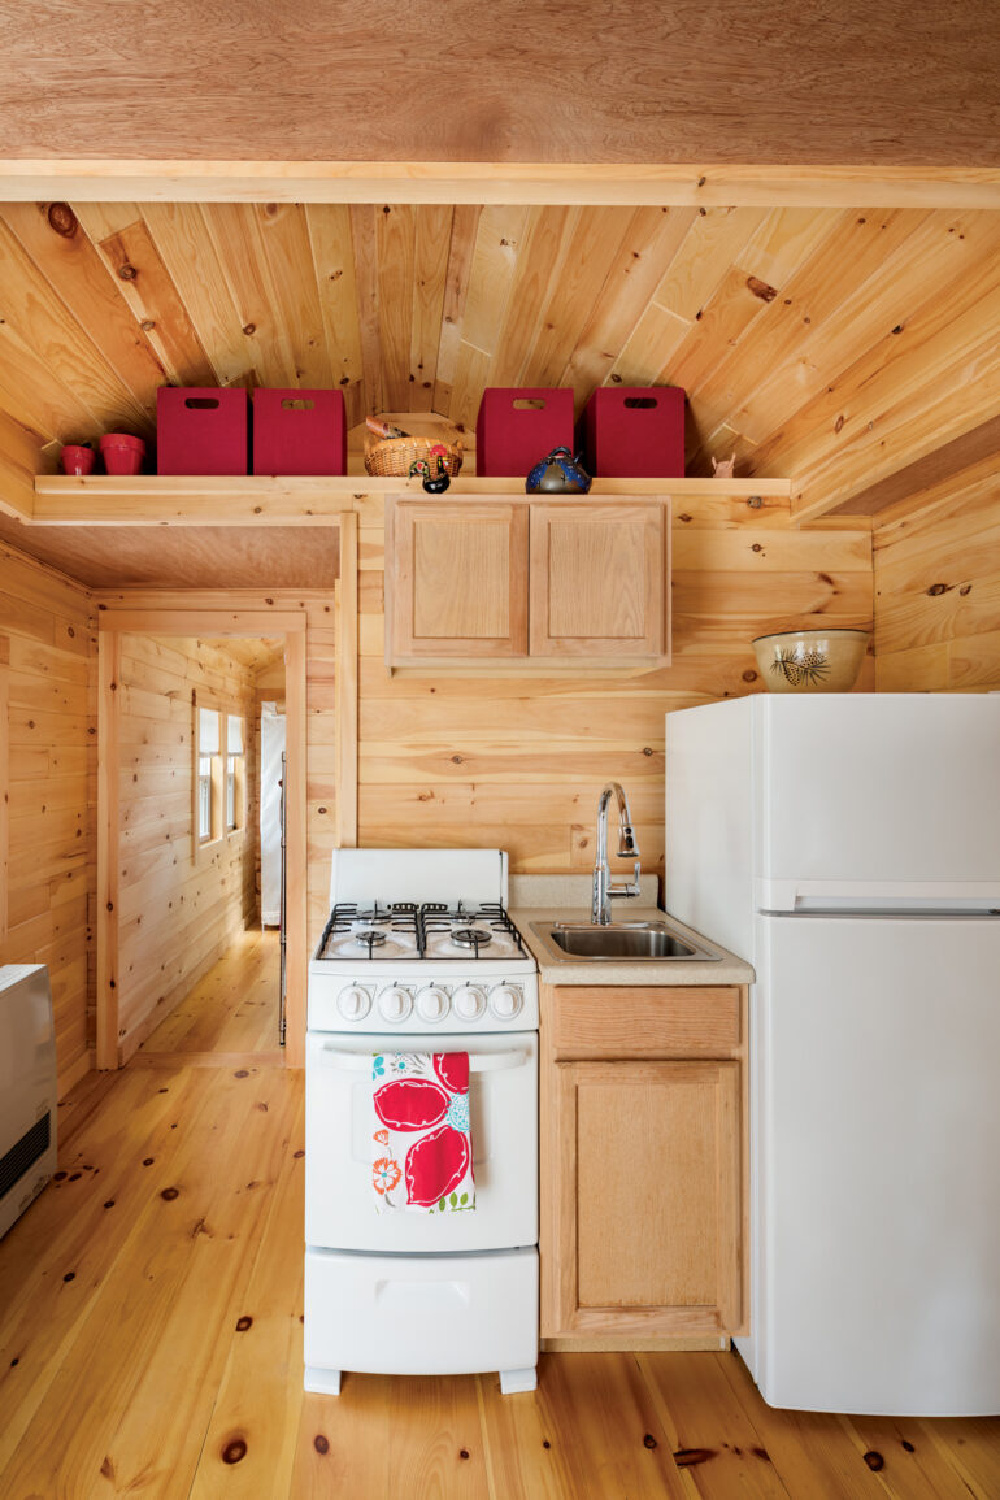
[422, 1148]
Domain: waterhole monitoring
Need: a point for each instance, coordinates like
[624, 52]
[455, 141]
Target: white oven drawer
[503, 1100]
[419, 1315]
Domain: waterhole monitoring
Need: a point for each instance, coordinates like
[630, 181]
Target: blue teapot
[558, 474]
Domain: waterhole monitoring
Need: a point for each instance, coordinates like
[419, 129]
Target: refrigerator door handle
[874, 895]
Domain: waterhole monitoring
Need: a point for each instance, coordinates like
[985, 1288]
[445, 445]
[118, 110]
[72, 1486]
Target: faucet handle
[631, 887]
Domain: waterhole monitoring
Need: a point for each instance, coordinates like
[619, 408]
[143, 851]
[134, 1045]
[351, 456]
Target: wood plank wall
[47, 622]
[176, 915]
[937, 581]
[519, 763]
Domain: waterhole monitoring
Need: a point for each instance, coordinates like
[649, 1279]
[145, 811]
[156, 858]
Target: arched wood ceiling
[834, 346]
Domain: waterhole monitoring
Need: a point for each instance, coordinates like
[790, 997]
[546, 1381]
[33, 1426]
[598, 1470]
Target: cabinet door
[458, 578]
[645, 1220]
[598, 579]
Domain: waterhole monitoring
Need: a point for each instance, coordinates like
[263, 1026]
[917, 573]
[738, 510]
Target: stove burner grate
[470, 928]
[471, 937]
[369, 937]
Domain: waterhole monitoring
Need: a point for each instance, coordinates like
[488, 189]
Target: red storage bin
[516, 428]
[299, 432]
[201, 430]
[634, 432]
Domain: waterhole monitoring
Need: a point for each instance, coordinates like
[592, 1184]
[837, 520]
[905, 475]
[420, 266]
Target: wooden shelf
[258, 500]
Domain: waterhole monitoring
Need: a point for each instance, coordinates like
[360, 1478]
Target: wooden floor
[233, 1009]
[151, 1342]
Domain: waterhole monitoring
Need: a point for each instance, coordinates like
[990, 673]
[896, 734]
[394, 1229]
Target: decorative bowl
[811, 661]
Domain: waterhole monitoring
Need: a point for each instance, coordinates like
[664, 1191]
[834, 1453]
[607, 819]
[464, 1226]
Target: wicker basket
[391, 457]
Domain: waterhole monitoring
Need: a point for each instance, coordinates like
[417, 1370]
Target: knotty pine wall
[176, 915]
[47, 633]
[937, 582]
[519, 762]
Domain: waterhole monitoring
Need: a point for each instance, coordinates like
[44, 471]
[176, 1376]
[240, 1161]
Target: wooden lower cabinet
[643, 1170]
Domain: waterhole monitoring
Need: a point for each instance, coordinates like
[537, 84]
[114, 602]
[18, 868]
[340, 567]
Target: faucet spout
[604, 890]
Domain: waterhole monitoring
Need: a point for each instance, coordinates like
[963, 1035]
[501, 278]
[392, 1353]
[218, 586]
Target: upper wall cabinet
[597, 579]
[458, 579]
[545, 581]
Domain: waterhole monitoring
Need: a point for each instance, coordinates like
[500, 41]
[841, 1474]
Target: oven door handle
[479, 1062]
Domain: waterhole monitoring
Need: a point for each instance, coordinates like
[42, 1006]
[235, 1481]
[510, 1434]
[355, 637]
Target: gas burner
[368, 935]
[471, 937]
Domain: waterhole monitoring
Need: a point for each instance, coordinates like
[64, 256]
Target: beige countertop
[542, 900]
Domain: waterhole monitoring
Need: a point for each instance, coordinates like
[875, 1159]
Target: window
[207, 749]
[234, 772]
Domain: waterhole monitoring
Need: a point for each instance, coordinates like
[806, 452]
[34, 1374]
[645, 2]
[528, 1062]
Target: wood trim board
[187, 181]
[346, 686]
[109, 671]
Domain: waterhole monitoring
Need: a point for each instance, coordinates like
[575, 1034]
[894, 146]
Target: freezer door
[880, 799]
[875, 1137]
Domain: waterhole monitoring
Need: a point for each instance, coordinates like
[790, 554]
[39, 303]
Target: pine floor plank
[712, 1437]
[813, 1453]
[907, 1461]
[168, 1363]
[392, 1436]
[58, 1257]
[590, 1428]
[250, 1445]
[232, 1008]
[177, 1391]
[124, 1329]
[971, 1446]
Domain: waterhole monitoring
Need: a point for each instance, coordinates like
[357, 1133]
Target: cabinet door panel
[649, 1223]
[459, 586]
[597, 579]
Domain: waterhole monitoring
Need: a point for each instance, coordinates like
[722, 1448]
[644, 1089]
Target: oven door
[503, 1107]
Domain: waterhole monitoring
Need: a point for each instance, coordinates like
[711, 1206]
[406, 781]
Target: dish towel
[422, 1146]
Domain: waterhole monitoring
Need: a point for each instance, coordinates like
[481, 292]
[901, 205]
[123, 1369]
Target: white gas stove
[420, 956]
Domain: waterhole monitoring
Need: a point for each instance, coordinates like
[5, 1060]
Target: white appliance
[849, 847]
[27, 1088]
[419, 954]
[272, 748]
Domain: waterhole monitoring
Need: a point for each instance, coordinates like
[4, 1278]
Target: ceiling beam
[915, 479]
[123, 180]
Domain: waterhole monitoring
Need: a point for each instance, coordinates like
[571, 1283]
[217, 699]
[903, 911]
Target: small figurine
[384, 429]
[435, 479]
[724, 468]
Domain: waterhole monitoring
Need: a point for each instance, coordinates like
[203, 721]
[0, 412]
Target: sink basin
[623, 940]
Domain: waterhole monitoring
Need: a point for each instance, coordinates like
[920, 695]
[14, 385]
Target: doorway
[184, 961]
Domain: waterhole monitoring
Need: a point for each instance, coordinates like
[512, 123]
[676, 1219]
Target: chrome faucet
[604, 891]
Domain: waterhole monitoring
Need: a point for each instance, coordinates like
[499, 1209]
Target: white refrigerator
[848, 846]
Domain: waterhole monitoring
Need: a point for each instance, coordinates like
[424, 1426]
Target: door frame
[192, 622]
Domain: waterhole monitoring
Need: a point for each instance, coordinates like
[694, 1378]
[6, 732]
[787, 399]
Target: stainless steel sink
[621, 940]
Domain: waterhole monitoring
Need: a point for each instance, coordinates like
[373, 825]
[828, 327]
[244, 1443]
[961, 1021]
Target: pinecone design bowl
[811, 661]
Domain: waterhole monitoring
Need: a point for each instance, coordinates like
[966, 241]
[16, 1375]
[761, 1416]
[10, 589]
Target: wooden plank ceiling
[513, 81]
[833, 346]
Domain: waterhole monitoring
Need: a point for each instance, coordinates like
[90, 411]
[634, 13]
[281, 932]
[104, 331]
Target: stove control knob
[432, 1004]
[394, 1005]
[354, 1003]
[468, 1003]
[505, 1002]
